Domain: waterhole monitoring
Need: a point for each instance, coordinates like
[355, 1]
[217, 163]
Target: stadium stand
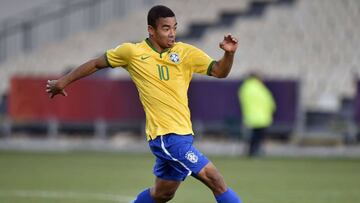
[312, 42]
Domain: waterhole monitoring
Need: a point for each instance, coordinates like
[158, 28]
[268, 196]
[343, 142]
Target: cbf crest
[174, 57]
[191, 156]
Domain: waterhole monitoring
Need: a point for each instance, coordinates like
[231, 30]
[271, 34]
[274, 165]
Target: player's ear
[151, 30]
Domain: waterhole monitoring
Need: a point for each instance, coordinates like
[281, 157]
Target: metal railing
[56, 20]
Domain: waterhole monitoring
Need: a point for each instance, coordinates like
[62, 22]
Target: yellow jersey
[162, 80]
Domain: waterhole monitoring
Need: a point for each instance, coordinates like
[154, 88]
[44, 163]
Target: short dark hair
[157, 12]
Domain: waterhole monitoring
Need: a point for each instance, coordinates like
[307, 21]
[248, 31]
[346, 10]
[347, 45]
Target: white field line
[66, 195]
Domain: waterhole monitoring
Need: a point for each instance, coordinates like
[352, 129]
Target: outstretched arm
[222, 67]
[55, 87]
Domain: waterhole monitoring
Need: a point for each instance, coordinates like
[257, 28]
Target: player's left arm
[222, 67]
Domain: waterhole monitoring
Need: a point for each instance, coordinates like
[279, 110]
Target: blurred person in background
[257, 106]
[3, 100]
[162, 70]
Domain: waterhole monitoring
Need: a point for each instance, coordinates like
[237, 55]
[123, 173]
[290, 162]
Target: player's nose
[172, 33]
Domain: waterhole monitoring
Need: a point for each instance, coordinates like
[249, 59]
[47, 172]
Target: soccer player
[162, 70]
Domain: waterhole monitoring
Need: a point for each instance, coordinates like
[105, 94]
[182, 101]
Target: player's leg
[252, 143]
[256, 141]
[188, 159]
[168, 171]
[191, 159]
[212, 178]
[163, 191]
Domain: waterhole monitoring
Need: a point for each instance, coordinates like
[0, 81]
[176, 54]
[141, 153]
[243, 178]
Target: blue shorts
[176, 158]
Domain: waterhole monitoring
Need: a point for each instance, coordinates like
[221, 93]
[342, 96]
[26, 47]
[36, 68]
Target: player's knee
[212, 177]
[218, 183]
[164, 196]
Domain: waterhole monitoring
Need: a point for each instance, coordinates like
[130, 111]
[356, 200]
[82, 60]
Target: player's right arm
[55, 87]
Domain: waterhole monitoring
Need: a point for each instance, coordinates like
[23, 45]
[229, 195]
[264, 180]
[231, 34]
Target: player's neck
[155, 45]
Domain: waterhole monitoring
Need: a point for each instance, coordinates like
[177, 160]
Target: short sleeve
[200, 62]
[119, 56]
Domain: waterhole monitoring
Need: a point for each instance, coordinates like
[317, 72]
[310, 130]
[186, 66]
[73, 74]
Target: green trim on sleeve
[210, 67]
[107, 60]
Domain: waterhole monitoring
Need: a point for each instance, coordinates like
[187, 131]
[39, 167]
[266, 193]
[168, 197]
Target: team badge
[174, 57]
[191, 156]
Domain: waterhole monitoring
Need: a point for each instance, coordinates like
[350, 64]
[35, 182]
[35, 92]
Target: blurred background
[307, 51]
[90, 146]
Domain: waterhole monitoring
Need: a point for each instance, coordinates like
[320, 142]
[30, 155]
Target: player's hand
[53, 88]
[229, 44]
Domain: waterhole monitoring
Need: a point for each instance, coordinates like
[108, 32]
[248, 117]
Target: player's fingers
[231, 37]
[227, 36]
[234, 39]
[48, 85]
[51, 82]
[63, 93]
[221, 44]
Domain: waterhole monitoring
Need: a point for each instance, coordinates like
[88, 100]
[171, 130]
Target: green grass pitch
[80, 177]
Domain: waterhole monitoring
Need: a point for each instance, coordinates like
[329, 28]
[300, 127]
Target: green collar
[153, 48]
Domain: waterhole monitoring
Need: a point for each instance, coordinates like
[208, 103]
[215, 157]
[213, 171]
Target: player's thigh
[165, 187]
[211, 177]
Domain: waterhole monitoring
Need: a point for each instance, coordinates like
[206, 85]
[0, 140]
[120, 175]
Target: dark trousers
[256, 138]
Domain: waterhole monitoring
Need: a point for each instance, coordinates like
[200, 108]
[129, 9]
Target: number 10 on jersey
[163, 72]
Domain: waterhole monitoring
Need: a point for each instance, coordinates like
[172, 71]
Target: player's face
[165, 32]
